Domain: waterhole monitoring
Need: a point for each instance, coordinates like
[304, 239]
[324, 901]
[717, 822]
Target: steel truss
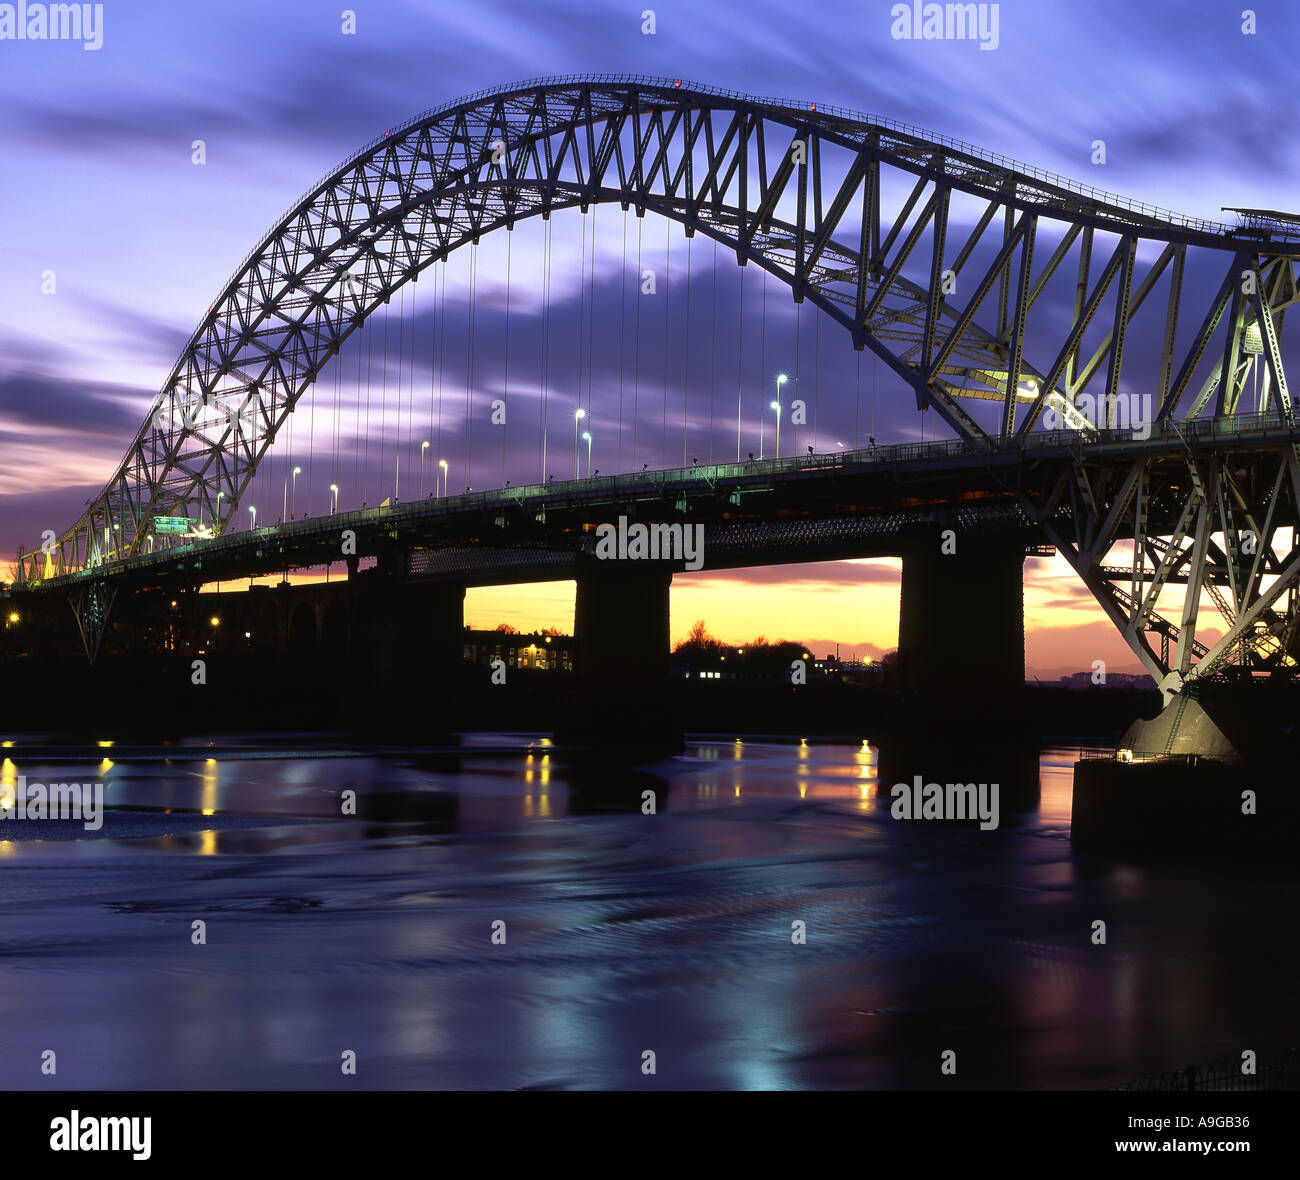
[804, 192]
[1211, 522]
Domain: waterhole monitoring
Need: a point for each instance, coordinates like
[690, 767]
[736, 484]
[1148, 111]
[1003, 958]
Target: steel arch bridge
[800, 189]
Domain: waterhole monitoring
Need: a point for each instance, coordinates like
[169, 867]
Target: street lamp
[334, 498]
[424, 446]
[445, 470]
[219, 495]
[781, 379]
[252, 513]
[293, 493]
[578, 416]
[586, 437]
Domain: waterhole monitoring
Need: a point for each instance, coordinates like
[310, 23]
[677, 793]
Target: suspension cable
[636, 345]
[338, 394]
[668, 255]
[622, 339]
[401, 354]
[857, 404]
[686, 351]
[582, 322]
[546, 342]
[362, 333]
[740, 361]
[410, 385]
[591, 320]
[817, 374]
[470, 342]
[798, 337]
[383, 410]
[713, 348]
[762, 356]
[311, 454]
[505, 391]
[433, 359]
[365, 472]
[442, 355]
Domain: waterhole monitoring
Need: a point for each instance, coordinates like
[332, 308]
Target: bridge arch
[692, 153]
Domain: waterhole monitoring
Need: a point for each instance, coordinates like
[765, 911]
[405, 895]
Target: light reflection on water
[530, 781]
[626, 931]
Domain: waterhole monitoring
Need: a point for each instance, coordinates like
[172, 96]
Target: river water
[624, 933]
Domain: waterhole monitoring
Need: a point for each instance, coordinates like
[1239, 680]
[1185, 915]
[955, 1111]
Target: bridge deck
[314, 541]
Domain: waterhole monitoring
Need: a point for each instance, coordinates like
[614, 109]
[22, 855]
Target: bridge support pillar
[961, 623]
[961, 666]
[624, 701]
[412, 638]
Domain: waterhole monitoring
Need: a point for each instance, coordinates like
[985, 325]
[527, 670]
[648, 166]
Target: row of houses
[770, 662]
[546, 653]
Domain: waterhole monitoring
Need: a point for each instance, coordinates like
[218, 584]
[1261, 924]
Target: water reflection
[626, 927]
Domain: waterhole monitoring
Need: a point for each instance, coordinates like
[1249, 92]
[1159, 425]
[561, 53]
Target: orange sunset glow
[852, 603]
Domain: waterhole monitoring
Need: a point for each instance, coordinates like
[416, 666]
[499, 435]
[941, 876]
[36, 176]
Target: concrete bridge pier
[623, 701]
[961, 666]
[410, 650]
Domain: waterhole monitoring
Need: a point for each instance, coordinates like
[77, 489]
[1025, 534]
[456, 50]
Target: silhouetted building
[768, 662]
[546, 653]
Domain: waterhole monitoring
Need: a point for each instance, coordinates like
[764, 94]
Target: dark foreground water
[624, 932]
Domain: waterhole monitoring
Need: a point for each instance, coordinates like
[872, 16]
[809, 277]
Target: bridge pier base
[623, 700]
[961, 667]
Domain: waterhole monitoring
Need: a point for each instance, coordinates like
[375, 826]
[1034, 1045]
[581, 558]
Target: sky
[114, 242]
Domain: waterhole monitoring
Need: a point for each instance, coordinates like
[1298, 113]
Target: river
[497, 916]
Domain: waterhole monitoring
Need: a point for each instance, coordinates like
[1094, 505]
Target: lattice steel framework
[1217, 521]
[803, 191]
